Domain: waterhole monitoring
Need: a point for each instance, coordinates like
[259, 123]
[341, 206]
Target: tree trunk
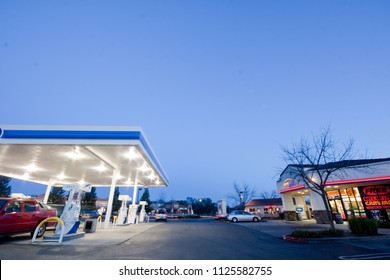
[328, 211]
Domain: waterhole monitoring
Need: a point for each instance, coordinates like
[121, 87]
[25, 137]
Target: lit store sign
[288, 183]
[376, 197]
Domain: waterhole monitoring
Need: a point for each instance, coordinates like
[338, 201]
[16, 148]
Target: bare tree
[242, 194]
[269, 195]
[318, 160]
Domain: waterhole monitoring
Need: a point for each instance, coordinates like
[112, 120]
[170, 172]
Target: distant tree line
[203, 206]
[5, 187]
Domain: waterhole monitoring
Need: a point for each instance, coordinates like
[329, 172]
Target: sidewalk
[101, 237]
[280, 228]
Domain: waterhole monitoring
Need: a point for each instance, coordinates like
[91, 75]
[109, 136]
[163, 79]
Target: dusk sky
[217, 86]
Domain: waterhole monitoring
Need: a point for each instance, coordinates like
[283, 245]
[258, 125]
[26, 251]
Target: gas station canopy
[79, 155]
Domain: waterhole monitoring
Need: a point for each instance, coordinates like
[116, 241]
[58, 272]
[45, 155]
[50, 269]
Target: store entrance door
[336, 206]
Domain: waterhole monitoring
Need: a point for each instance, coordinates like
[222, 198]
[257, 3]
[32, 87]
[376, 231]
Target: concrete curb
[295, 239]
[334, 239]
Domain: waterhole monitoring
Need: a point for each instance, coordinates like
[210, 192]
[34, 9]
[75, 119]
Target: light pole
[242, 200]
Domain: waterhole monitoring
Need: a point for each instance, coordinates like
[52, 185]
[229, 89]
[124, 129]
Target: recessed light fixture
[75, 153]
[101, 168]
[144, 168]
[61, 176]
[132, 154]
[31, 168]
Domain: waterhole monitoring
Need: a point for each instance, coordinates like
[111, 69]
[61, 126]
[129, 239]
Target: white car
[161, 215]
[242, 216]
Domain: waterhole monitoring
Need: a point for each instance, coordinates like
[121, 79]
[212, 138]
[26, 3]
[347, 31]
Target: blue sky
[217, 86]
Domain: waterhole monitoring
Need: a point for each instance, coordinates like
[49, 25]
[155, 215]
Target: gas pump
[142, 214]
[131, 217]
[122, 215]
[70, 214]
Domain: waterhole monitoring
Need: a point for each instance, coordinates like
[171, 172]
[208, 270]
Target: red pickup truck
[20, 215]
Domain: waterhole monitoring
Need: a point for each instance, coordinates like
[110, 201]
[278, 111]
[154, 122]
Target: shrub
[317, 234]
[363, 226]
[332, 233]
[305, 234]
[383, 224]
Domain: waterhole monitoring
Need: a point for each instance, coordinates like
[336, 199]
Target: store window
[353, 203]
[271, 210]
[346, 202]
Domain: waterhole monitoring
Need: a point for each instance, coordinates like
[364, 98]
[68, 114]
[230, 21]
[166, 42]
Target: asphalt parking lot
[137, 238]
[120, 234]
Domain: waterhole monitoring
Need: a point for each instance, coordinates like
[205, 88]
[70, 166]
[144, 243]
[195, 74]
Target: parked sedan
[220, 217]
[242, 216]
[89, 214]
[20, 215]
[161, 215]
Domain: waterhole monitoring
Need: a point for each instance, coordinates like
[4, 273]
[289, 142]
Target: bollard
[114, 221]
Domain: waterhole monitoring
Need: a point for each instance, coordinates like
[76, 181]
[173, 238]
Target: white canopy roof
[86, 155]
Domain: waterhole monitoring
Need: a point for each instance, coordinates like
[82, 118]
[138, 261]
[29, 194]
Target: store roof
[61, 155]
[337, 164]
[264, 202]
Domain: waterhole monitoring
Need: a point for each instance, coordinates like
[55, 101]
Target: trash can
[90, 225]
[338, 219]
[299, 217]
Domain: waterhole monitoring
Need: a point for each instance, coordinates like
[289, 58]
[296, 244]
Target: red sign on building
[375, 197]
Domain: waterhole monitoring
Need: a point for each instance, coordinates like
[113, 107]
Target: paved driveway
[193, 239]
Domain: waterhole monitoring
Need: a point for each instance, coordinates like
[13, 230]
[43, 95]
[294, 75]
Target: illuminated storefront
[361, 202]
[362, 193]
[266, 208]
[346, 202]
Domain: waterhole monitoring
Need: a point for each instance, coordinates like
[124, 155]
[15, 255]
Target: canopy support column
[135, 191]
[47, 194]
[111, 198]
[133, 207]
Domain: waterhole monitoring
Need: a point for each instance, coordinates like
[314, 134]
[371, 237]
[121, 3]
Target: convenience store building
[361, 190]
